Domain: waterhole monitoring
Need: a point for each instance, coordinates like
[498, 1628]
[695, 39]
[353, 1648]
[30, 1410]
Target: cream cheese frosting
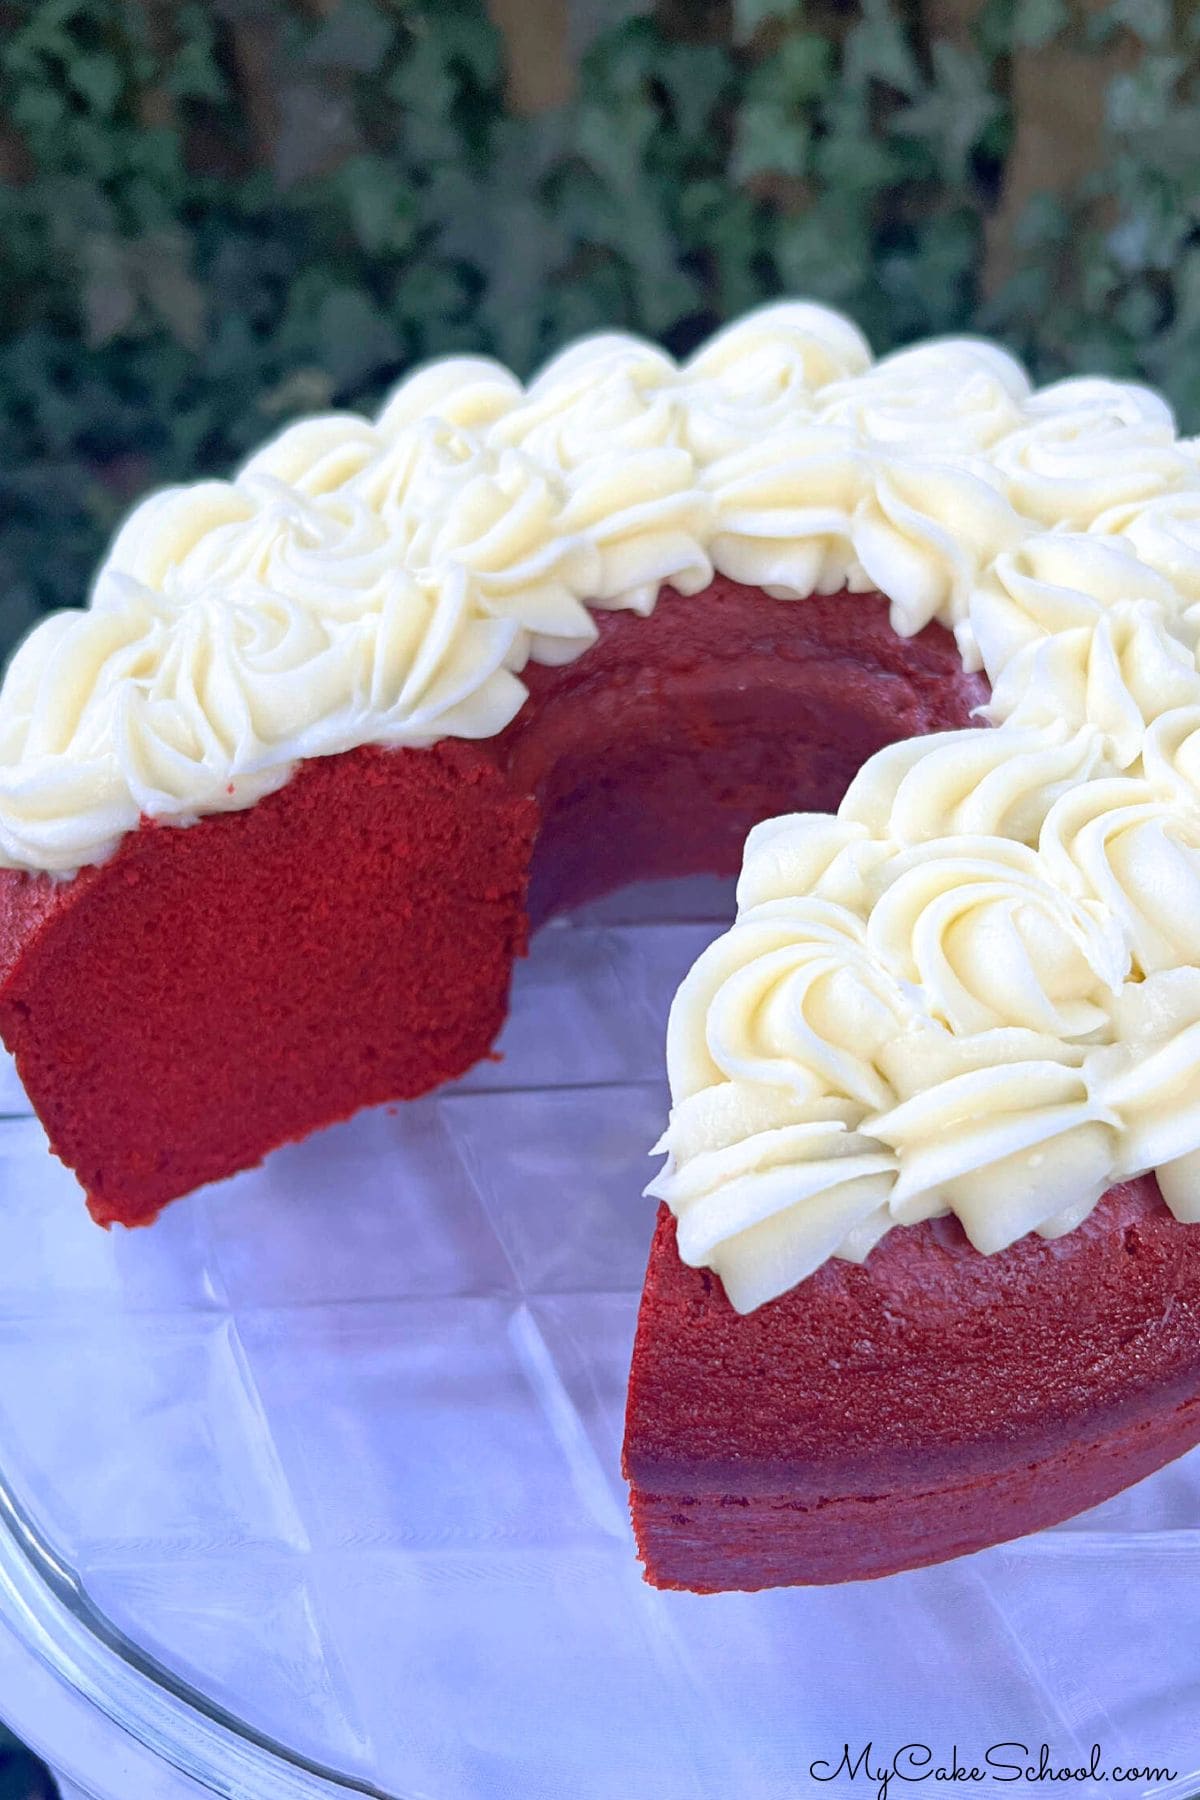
[385, 581]
[973, 990]
[1009, 1012]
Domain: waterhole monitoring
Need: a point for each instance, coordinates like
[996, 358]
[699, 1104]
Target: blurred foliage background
[216, 216]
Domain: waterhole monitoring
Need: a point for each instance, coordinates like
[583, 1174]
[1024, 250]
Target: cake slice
[212, 991]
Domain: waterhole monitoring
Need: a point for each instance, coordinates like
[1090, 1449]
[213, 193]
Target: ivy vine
[217, 216]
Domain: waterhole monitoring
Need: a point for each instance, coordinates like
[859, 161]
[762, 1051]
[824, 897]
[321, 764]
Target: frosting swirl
[1003, 1130]
[763, 374]
[1164, 534]
[990, 940]
[774, 1047]
[789, 998]
[764, 1194]
[1151, 1081]
[1124, 845]
[902, 401]
[1052, 583]
[784, 510]
[1171, 753]
[1088, 445]
[970, 783]
[329, 554]
[1117, 673]
[923, 534]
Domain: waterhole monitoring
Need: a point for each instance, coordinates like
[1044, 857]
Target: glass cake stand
[314, 1489]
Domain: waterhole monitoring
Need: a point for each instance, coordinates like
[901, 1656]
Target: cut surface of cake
[280, 807]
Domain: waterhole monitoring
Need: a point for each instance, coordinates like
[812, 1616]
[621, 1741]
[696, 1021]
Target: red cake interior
[214, 991]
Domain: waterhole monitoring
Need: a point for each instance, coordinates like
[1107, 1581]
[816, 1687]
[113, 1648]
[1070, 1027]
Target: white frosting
[977, 924]
[1056, 582]
[1087, 445]
[1150, 1078]
[386, 581]
[1117, 673]
[1164, 534]
[972, 990]
[1136, 851]
[972, 783]
[902, 400]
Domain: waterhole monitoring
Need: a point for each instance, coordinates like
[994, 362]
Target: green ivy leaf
[696, 78]
[425, 90]
[355, 35]
[170, 289]
[1149, 20]
[98, 79]
[109, 294]
[878, 49]
[930, 281]
[40, 111]
[956, 112]
[42, 37]
[992, 28]
[431, 300]
[770, 138]
[381, 205]
[1037, 23]
[354, 338]
[194, 73]
[1141, 101]
[613, 140]
[466, 36]
[750, 15]
[822, 255]
[1044, 224]
[800, 71]
[316, 131]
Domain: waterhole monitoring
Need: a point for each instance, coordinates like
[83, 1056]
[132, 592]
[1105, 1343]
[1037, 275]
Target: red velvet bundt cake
[278, 810]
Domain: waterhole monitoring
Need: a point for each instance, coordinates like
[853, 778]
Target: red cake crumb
[213, 991]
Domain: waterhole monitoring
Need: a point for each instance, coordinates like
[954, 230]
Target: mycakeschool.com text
[885, 1773]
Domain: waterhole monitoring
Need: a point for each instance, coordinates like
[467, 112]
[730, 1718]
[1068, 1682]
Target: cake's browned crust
[925, 1403]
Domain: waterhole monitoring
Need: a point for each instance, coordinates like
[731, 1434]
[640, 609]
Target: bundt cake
[280, 806]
